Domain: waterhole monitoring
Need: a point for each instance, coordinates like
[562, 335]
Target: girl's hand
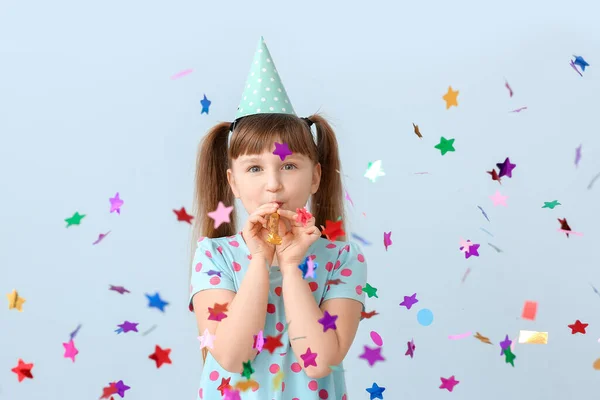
[294, 245]
[255, 232]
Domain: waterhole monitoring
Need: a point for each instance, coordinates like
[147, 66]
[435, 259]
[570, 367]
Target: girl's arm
[303, 313]
[247, 311]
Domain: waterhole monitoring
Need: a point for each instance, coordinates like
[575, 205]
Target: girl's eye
[251, 169]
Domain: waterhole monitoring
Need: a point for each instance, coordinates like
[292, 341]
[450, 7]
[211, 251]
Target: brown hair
[252, 135]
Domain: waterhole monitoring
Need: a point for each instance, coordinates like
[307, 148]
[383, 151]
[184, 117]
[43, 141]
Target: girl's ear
[231, 181]
[316, 180]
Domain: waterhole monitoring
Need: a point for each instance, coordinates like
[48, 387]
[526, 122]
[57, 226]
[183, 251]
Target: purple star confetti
[409, 301]
[411, 348]
[328, 321]
[282, 150]
[506, 168]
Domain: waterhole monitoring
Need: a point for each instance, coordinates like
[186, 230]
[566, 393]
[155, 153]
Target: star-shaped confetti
[472, 250]
[410, 351]
[127, 327]
[332, 230]
[183, 216]
[15, 301]
[205, 105]
[578, 327]
[272, 343]
[303, 216]
[259, 341]
[375, 391]
[23, 370]
[445, 145]
[75, 219]
[409, 301]
[247, 369]
[505, 344]
[495, 176]
[499, 199]
[372, 355]
[387, 239]
[451, 98]
[282, 150]
[160, 356]
[370, 291]
[217, 313]
[581, 62]
[509, 356]
[328, 321]
[156, 302]
[506, 168]
[309, 358]
[121, 388]
[231, 394]
[70, 350]
[374, 171]
[449, 383]
[368, 315]
[206, 340]
[551, 204]
[115, 204]
[221, 214]
[225, 384]
[564, 225]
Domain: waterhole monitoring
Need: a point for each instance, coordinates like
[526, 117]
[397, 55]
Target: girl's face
[264, 178]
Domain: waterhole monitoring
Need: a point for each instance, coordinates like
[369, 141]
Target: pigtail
[328, 202]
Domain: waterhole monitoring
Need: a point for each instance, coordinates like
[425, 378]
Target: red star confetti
[23, 370]
[217, 313]
[272, 343]
[578, 327]
[303, 216]
[333, 230]
[183, 216]
[160, 356]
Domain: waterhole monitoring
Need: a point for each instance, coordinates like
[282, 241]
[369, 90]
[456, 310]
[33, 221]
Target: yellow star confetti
[450, 98]
[277, 380]
[15, 301]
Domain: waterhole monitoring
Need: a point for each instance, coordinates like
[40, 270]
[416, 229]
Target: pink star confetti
[372, 355]
[70, 350]
[115, 204]
[387, 239]
[309, 358]
[499, 199]
[221, 214]
[411, 348]
[449, 383]
[259, 341]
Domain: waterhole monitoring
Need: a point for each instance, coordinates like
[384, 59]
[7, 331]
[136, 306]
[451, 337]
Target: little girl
[275, 320]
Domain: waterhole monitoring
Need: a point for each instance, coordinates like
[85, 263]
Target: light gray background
[87, 108]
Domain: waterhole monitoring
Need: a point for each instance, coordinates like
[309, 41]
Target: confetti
[303, 216]
[309, 358]
[207, 339]
[486, 231]
[509, 356]
[221, 214]
[272, 343]
[183, 216]
[417, 132]
[75, 332]
[481, 338]
[374, 171]
[217, 312]
[425, 317]
[160, 356]
[498, 250]
[499, 199]
[572, 64]
[409, 301]
[505, 344]
[445, 145]
[247, 369]
[23, 370]
[70, 350]
[529, 310]
[127, 327]
[333, 230]
[372, 355]
[510, 91]
[156, 302]
[506, 168]
[369, 314]
[277, 379]
[282, 150]
[205, 105]
[101, 237]
[518, 110]
[328, 321]
[593, 180]
[472, 250]
[75, 219]
[15, 301]
[360, 239]
[580, 62]
[370, 291]
[578, 327]
[376, 338]
[244, 386]
[551, 204]
[449, 383]
[450, 98]
[115, 204]
[118, 289]
[410, 351]
[484, 213]
[577, 156]
[375, 391]
[153, 327]
[596, 364]
[465, 275]
[182, 74]
[387, 239]
[495, 176]
[459, 336]
[533, 337]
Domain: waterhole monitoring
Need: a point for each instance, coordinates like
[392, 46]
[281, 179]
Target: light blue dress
[222, 263]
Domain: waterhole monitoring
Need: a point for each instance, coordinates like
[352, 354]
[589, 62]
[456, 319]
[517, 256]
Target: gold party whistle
[273, 226]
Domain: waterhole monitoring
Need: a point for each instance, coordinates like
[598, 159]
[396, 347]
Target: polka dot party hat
[264, 93]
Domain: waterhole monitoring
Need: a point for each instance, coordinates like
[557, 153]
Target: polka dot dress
[222, 263]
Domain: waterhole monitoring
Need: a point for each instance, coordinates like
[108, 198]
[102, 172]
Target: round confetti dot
[274, 368]
[376, 338]
[214, 375]
[296, 367]
[425, 317]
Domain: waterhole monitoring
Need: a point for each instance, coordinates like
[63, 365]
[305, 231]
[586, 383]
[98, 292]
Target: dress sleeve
[349, 275]
[209, 270]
